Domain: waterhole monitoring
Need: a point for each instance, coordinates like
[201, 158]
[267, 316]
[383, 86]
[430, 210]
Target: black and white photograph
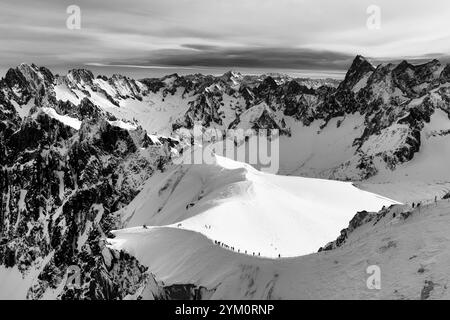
[224, 150]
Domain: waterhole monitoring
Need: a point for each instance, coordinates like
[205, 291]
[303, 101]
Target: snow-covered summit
[248, 210]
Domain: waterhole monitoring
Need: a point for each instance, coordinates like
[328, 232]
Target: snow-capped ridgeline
[372, 122]
[249, 211]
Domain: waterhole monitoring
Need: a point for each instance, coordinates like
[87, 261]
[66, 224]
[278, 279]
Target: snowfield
[248, 210]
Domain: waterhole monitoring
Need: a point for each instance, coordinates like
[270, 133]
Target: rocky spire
[359, 68]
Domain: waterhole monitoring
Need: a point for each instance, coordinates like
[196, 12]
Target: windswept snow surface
[413, 255]
[260, 213]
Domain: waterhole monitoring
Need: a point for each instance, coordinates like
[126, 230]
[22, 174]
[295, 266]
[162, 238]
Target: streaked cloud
[298, 34]
[257, 57]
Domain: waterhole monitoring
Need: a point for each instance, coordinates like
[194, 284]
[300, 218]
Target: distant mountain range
[80, 155]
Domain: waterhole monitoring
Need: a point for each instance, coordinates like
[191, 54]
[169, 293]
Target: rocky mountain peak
[268, 83]
[26, 80]
[360, 67]
[404, 65]
[231, 76]
[413, 79]
[293, 87]
[80, 76]
[445, 74]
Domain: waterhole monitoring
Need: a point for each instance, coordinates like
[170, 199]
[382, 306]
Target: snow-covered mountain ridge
[372, 122]
[250, 211]
[409, 246]
[81, 156]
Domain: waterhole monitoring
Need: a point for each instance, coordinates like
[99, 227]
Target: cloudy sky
[186, 34]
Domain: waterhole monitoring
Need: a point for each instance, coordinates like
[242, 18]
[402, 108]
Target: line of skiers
[418, 204]
[238, 250]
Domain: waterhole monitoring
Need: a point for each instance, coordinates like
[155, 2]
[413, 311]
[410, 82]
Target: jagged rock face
[369, 219]
[358, 220]
[26, 81]
[80, 76]
[125, 86]
[445, 75]
[204, 111]
[55, 196]
[60, 187]
[409, 78]
[359, 68]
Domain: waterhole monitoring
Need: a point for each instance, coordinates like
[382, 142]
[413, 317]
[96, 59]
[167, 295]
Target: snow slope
[413, 255]
[311, 151]
[235, 204]
[427, 175]
[12, 284]
[71, 122]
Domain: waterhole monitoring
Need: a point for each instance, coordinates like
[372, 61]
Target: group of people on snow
[238, 250]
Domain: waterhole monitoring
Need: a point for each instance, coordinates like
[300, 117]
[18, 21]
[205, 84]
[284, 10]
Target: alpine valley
[91, 189]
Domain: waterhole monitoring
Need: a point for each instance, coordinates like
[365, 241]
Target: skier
[144, 226]
[413, 205]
